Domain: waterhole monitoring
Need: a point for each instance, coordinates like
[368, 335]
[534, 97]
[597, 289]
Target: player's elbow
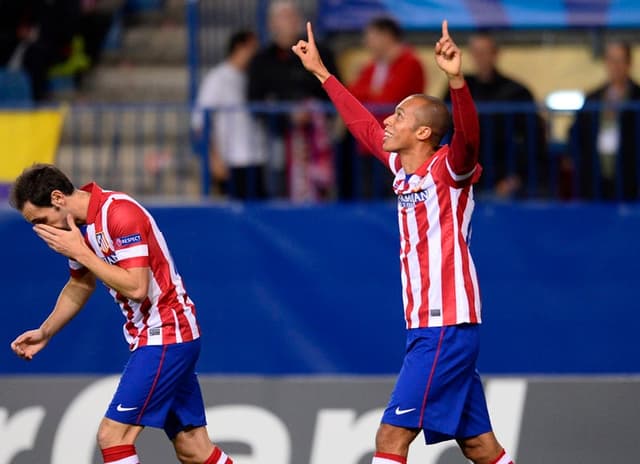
[91, 285]
[139, 293]
[85, 283]
[138, 286]
[137, 296]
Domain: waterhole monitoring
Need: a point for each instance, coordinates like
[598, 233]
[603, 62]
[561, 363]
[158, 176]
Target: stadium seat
[15, 88]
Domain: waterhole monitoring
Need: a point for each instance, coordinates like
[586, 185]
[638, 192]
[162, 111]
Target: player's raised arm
[360, 122]
[465, 144]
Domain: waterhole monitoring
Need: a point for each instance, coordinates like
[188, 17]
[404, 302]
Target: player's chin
[388, 145]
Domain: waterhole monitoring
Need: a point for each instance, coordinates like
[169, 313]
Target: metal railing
[210, 24]
[153, 150]
[141, 149]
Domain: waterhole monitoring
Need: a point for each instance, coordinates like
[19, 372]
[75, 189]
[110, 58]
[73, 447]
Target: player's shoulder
[442, 172]
[440, 157]
[438, 168]
[121, 204]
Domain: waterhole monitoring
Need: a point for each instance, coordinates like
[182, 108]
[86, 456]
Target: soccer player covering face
[122, 246]
[438, 390]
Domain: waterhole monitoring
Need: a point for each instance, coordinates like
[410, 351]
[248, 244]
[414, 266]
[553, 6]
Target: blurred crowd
[305, 155]
[45, 38]
[271, 132]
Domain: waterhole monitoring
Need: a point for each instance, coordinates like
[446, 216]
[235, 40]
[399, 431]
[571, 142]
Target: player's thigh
[193, 445]
[187, 410]
[475, 420]
[407, 403]
[433, 386]
[143, 394]
[150, 382]
[113, 433]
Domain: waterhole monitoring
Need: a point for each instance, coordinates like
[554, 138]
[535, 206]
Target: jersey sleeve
[77, 270]
[129, 228]
[461, 162]
[360, 122]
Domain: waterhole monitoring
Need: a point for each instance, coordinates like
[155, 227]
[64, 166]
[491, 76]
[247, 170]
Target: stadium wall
[316, 290]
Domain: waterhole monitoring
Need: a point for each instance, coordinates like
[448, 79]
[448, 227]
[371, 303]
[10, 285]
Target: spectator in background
[11, 16]
[54, 25]
[237, 155]
[98, 17]
[605, 140]
[60, 37]
[488, 84]
[298, 145]
[394, 70]
[393, 73]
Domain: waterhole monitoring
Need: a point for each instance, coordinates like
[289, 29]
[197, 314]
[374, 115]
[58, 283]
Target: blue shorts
[159, 388]
[439, 389]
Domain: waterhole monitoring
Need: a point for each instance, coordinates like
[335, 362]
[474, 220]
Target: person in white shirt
[237, 156]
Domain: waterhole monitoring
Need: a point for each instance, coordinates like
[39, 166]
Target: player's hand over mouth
[67, 242]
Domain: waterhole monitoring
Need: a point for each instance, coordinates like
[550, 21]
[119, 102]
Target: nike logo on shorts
[121, 408]
[400, 412]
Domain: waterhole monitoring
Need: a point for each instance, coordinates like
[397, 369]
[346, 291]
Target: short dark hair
[387, 25]
[35, 185]
[239, 39]
[434, 114]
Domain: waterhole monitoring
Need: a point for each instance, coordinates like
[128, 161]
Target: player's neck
[411, 160]
[78, 204]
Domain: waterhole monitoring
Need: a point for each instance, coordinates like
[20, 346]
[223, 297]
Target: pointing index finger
[445, 29]
[310, 37]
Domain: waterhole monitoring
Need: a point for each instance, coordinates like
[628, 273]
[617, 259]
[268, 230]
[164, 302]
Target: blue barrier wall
[298, 290]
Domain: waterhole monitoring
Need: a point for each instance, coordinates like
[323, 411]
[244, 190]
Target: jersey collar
[424, 168]
[94, 202]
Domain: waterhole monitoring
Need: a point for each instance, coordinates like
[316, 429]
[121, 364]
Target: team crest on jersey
[102, 242]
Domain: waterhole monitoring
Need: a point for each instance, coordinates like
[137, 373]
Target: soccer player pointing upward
[438, 390]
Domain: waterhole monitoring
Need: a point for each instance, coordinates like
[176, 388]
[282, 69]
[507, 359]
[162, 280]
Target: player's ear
[57, 199]
[423, 133]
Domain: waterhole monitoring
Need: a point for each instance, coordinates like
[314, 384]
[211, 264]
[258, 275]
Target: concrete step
[137, 170]
[235, 13]
[174, 11]
[129, 124]
[138, 83]
[157, 45]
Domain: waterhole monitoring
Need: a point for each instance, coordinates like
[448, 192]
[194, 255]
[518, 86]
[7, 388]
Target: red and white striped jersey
[439, 282]
[123, 233]
[435, 204]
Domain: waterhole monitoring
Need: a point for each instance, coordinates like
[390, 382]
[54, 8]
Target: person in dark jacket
[299, 150]
[507, 138]
[604, 137]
